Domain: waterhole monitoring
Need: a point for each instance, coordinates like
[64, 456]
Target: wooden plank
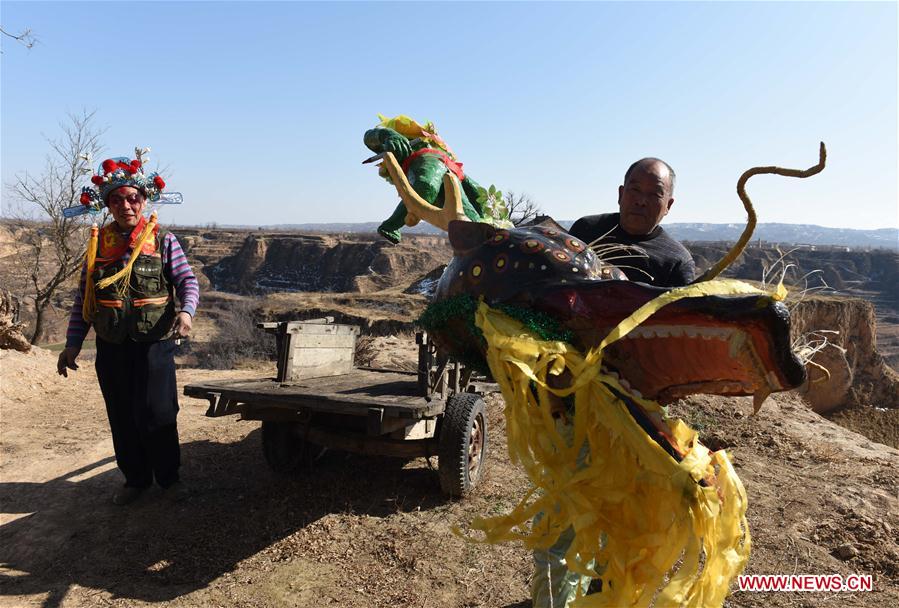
[375, 446]
[253, 412]
[358, 378]
[272, 387]
[338, 340]
[394, 426]
[318, 362]
[274, 395]
[424, 362]
[423, 429]
[283, 343]
[317, 350]
[317, 329]
[279, 324]
[319, 321]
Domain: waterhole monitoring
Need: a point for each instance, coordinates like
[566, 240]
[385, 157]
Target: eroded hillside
[278, 262]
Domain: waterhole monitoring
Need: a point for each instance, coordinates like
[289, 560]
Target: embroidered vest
[145, 310]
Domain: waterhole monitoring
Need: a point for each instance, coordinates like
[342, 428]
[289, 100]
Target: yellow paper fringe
[668, 541]
[89, 302]
[411, 129]
[124, 275]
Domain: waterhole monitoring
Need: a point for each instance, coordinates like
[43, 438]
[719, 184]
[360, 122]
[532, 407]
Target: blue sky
[258, 108]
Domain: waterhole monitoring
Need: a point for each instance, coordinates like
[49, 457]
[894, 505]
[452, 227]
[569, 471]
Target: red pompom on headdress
[121, 171]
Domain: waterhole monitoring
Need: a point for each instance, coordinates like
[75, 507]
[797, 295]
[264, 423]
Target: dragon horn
[417, 206]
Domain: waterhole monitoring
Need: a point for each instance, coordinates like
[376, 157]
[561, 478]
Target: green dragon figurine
[425, 159]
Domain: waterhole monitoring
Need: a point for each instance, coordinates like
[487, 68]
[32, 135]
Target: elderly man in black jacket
[645, 198]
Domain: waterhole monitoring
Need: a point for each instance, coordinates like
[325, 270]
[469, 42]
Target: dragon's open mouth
[723, 345]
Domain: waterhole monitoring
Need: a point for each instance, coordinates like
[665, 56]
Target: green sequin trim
[437, 314]
[462, 307]
[539, 323]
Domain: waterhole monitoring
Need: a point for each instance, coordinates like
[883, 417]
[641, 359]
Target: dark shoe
[126, 495]
[177, 492]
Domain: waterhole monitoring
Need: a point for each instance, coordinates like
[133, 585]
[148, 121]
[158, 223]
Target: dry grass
[238, 340]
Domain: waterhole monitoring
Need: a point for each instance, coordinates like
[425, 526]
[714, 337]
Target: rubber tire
[284, 450]
[464, 413]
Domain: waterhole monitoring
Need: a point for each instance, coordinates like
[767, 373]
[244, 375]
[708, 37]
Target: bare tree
[25, 37]
[51, 246]
[522, 208]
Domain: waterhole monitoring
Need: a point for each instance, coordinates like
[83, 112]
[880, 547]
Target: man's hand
[183, 324]
[66, 360]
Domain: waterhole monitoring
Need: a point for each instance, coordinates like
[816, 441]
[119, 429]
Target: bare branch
[25, 37]
[522, 208]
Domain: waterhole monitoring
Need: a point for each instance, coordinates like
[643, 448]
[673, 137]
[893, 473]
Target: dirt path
[361, 532]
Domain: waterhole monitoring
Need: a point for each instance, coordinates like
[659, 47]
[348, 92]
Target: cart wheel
[462, 445]
[284, 450]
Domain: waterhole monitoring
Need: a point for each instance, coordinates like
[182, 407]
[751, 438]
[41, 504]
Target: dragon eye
[574, 244]
[531, 246]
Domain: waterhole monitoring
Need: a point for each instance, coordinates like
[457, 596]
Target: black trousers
[137, 380]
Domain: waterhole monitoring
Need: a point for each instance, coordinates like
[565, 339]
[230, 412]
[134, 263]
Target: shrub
[239, 339]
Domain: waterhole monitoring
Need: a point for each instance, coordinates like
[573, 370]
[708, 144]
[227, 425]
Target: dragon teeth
[673, 331]
[758, 399]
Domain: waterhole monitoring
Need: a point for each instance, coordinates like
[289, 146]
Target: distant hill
[338, 227]
[806, 234]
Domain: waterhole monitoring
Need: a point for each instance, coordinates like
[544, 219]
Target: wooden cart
[319, 399]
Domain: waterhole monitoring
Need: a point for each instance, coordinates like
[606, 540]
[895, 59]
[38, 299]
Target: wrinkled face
[645, 198]
[126, 205]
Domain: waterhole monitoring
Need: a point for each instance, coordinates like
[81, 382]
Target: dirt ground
[368, 532]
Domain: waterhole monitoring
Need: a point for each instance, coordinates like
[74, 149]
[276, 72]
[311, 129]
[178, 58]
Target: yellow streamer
[411, 129]
[89, 302]
[124, 275]
[667, 539]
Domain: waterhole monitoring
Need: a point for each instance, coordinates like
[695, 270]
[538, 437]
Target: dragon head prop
[736, 343]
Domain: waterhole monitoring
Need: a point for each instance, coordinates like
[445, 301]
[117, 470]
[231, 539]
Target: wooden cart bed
[360, 392]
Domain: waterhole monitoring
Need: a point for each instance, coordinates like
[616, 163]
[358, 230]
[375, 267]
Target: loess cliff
[322, 263]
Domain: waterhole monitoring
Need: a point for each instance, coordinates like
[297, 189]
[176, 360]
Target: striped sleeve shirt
[177, 270]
